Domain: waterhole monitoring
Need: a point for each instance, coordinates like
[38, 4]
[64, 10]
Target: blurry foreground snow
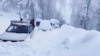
[64, 41]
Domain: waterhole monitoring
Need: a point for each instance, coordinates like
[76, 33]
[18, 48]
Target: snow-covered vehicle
[37, 22]
[45, 25]
[55, 23]
[17, 31]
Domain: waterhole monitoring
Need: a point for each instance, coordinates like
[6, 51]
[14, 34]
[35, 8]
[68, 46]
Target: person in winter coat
[21, 20]
[32, 22]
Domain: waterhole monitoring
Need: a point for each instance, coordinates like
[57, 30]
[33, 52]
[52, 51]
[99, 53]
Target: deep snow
[64, 41]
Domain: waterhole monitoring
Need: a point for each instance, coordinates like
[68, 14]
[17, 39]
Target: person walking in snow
[32, 22]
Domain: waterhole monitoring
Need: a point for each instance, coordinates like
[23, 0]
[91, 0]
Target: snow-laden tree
[80, 15]
[9, 5]
[86, 14]
[47, 9]
[44, 9]
[96, 14]
[26, 9]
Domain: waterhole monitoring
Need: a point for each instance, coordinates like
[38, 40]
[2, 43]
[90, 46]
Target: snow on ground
[64, 41]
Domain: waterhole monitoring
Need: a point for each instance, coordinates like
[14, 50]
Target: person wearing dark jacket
[21, 20]
[32, 22]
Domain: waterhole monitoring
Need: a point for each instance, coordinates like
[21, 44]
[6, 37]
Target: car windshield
[19, 29]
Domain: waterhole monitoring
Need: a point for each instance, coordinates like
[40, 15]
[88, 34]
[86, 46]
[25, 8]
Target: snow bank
[66, 41]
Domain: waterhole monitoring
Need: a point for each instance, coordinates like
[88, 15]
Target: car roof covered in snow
[20, 23]
[54, 21]
[45, 24]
